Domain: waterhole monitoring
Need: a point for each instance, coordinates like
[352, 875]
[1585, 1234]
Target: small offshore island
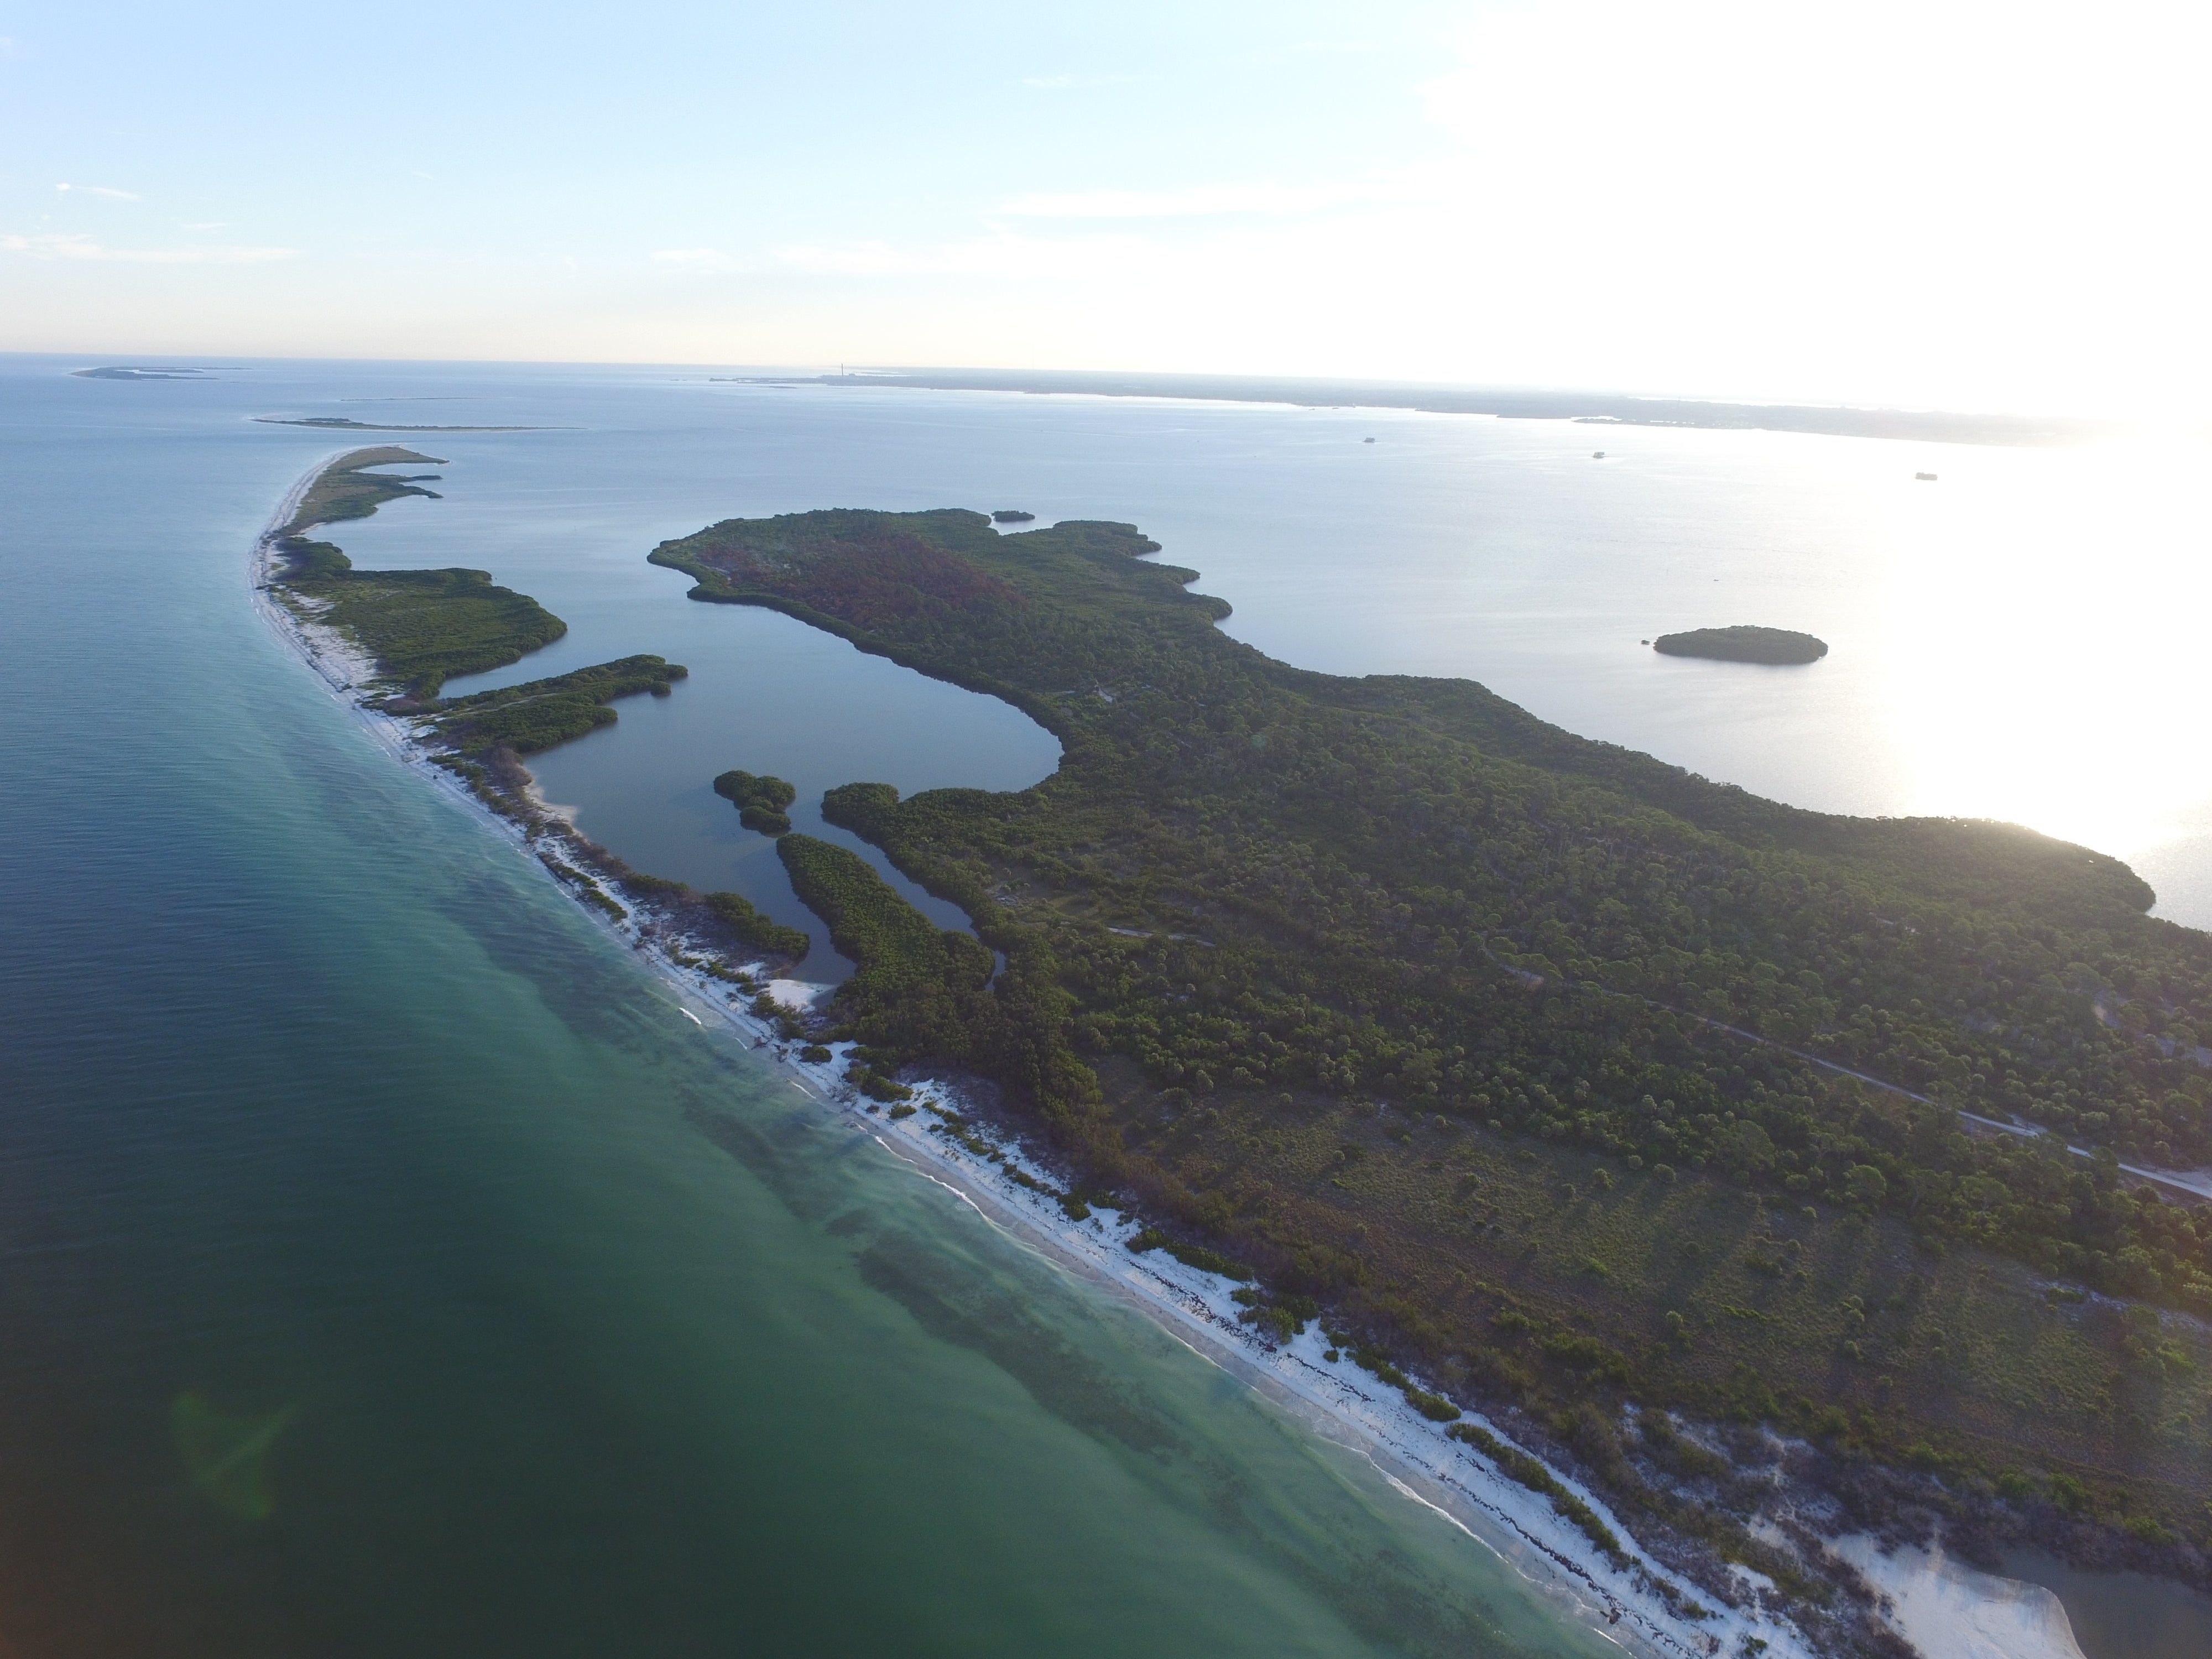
[1743, 643]
[1700, 1186]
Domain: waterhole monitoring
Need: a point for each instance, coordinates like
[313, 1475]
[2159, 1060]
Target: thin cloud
[1002, 256]
[687, 256]
[1063, 82]
[83, 248]
[1198, 201]
[102, 190]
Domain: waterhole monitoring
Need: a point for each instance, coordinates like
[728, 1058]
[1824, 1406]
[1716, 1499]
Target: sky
[1963, 205]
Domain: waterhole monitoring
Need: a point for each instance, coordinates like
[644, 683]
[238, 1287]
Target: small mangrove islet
[1743, 643]
[762, 802]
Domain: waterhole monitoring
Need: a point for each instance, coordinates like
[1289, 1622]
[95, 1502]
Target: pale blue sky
[1990, 206]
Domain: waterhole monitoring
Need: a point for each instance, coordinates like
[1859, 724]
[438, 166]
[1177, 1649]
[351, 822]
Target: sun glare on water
[2046, 653]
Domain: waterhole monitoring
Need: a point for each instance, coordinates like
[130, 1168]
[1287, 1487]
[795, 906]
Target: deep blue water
[574, 1331]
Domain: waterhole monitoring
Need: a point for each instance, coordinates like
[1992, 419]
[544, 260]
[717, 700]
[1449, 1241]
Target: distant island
[1011, 515]
[1743, 643]
[340, 424]
[124, 372]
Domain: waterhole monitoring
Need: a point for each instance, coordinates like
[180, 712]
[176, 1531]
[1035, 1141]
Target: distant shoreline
[340, 424]
[1593, 408]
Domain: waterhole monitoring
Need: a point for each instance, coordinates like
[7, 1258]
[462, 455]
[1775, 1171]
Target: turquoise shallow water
[594, 1336]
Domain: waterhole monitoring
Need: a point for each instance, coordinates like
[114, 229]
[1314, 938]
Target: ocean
[388, 1266]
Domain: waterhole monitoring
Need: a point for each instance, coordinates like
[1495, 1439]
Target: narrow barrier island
[1766, 1169]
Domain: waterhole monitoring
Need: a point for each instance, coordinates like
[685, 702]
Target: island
[1559, 1084]
[1013, 515]
[1721, 1177]
[760, 800]
[1743, 643]
[126, 371]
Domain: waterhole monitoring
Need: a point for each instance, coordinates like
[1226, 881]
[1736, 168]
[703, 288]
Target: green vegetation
[1516, 1465]
[423, 626]
[917, 988]
[1393, 991]
[760, 800]
[346, 490]
[542, 713]
[750, 927]
[1191, 1255]
[1743, 643]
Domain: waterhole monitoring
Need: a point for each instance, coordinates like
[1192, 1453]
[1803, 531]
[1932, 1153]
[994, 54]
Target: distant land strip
[340, 424]
[124, 372]
[1599, 408]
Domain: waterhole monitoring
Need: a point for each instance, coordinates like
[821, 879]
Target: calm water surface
[567, 1328]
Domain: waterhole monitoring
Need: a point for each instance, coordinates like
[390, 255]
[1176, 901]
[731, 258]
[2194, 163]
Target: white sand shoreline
[1337, 1400]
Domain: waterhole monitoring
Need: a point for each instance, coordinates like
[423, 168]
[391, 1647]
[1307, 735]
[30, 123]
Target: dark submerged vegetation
[1403, 997]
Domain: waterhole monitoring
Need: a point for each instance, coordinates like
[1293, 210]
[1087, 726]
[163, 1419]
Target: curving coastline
[1640, 1608]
